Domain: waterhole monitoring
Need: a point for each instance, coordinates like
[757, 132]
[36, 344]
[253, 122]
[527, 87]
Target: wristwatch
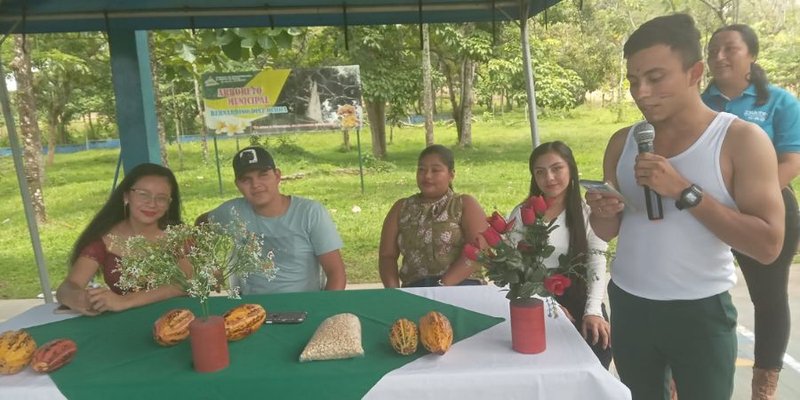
[690, 197]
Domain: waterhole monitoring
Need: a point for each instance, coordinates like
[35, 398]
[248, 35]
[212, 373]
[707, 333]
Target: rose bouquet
[212, 252]
[515, 257]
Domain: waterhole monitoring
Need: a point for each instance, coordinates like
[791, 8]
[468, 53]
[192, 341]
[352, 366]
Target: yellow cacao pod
[403, 336]
[16, 350]
[53, 355]
[172, 327]
[243, 320]
[435, 332]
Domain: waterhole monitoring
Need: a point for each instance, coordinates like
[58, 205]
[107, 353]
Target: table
[480, 367]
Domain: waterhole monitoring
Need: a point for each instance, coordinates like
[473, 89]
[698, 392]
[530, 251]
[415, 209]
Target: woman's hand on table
[595, 329]
[103, 299]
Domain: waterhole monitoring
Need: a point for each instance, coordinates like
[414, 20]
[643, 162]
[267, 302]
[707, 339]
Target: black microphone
[644, 134]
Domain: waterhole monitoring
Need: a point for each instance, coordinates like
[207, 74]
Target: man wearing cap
[299, 231]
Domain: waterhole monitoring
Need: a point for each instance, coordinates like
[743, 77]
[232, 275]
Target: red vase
[527, 326]
[209, 344]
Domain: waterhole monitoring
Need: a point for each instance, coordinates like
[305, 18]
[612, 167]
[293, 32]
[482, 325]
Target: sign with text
[278, 100]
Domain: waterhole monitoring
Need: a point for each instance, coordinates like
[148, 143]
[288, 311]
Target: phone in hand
[602, 187]
[285, 317]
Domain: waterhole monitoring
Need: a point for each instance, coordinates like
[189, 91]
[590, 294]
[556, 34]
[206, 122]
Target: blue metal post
[133, 90]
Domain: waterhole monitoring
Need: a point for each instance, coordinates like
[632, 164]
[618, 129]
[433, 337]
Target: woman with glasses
[144, 204]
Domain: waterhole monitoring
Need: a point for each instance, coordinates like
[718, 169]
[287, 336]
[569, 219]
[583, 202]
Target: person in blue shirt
[740, 86]
[298, 232]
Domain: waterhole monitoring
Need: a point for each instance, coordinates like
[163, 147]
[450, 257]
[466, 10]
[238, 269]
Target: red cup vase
[527, 326]
[209, 344]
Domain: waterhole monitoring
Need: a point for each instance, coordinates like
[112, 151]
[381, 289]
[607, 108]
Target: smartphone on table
[285, 317]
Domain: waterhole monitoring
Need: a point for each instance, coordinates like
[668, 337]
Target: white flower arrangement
[213, 252]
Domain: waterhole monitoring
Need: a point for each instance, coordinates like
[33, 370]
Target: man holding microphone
[715, 180]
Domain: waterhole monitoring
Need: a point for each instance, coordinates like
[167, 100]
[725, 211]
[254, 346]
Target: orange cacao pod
[435, 332]
[243, 320]
[172, 327]
[16, 350]
[403, 336]
[53, 355]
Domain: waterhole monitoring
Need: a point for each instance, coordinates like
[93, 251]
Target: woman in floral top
[429, 229]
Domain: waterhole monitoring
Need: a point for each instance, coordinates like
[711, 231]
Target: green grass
[494, 170]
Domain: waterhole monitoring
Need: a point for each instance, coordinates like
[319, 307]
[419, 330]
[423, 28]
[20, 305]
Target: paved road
[789, 384]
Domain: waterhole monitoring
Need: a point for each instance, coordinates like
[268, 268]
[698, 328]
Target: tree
[29, 126]
[427, 88]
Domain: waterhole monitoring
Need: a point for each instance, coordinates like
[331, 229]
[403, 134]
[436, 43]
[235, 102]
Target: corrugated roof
[40, 16]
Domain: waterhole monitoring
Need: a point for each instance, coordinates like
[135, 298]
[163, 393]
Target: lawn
[494, 170]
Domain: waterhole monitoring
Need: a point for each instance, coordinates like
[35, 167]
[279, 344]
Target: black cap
[252, 158]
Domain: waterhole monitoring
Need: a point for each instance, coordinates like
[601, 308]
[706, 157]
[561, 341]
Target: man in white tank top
[718, 182]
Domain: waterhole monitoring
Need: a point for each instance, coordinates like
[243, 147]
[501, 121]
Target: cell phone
[602, 187]
[285, 317]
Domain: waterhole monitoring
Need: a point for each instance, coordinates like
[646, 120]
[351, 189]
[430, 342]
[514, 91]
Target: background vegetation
[64, 83]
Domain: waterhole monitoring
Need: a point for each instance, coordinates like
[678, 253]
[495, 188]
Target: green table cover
[118, 359]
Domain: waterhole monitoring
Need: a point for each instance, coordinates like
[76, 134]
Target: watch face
[691, 197]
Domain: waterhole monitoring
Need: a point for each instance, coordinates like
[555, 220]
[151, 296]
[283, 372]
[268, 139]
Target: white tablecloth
[480, 367]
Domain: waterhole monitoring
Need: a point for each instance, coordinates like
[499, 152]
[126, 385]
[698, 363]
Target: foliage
[214, 253]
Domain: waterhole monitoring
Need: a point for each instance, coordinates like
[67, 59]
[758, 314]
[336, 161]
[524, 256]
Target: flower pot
[527, 326]
[209, 344]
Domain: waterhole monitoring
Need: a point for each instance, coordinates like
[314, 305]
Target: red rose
[492, 236]
[556, 284]
[538, 203]
[524, 247]
[499, 223]
[471, 251]
[528, 215]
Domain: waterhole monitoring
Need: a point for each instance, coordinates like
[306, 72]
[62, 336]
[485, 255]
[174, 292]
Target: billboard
[281, 100]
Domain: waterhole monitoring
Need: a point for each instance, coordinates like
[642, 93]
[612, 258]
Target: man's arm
[333, 265]
[605, 214]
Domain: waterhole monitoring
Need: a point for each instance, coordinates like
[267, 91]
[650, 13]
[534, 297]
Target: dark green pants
[696, 339]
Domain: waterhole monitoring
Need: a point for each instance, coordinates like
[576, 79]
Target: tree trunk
[346, 139]
[162, 134]
[51, 143]
[451, 88]
[29, 127]
[201, 114]
[427, 94]
[177, 117]
[376, 112]
[467, 98]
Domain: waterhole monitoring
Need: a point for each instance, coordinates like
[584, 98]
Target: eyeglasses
[145, 196]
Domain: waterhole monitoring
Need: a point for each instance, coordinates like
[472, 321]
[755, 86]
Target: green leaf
[233, 49]
[284, 40]
[186, 52]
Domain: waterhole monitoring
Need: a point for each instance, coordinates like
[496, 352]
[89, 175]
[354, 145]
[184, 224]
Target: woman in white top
[554, 175]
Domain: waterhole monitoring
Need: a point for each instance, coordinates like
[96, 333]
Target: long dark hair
[757, 76]
[576, 223]
[445, 154]
[114, 210]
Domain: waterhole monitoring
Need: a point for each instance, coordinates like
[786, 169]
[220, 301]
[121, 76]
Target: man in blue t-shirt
[298, 231]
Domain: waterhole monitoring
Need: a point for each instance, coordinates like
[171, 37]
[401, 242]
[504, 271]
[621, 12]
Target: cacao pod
[53, 355]
[403, 336]
[172, 327]
[243, 320]
[435, 332]
[16, 350]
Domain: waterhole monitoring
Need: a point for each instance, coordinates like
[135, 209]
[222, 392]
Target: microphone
[644, 134]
